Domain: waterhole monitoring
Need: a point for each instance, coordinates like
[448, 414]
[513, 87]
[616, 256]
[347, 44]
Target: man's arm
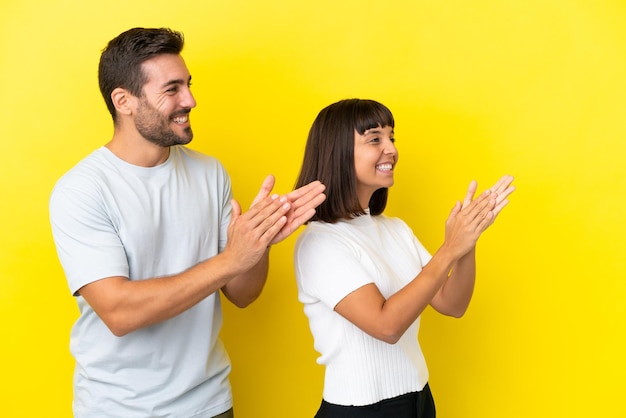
[246, 288]
[240, 270]
[126, 305]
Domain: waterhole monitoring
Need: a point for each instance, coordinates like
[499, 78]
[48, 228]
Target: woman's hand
[472, 217]
[468, 220]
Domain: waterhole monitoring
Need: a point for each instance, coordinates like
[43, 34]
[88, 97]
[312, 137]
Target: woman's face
[375, 158]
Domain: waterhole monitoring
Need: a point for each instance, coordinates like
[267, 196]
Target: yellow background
[534, 88]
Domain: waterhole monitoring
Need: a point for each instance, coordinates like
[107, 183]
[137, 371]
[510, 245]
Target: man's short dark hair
[121, 60]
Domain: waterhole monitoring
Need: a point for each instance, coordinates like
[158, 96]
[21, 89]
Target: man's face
[162, 115]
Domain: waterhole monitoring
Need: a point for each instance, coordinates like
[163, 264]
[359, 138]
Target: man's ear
[123, 101]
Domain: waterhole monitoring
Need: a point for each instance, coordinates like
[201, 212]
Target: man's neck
[137, 150]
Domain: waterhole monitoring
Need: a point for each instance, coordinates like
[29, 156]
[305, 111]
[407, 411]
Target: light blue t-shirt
[112, 218]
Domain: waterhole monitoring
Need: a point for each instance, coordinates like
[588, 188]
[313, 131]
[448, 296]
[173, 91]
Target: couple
[148, 234]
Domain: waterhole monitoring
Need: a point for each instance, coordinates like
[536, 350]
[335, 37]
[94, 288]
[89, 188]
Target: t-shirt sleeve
[422, 254]
[328, 268]
[87, 244]
[226, 209]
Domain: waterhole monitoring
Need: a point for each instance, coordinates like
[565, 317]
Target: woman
[365, 279]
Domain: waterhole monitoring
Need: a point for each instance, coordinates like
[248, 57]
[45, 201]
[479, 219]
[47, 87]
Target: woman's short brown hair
[329, 157]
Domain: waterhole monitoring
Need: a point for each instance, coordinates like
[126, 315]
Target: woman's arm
[446, 281]
[453, 298]
[455, 295]
[388, 319]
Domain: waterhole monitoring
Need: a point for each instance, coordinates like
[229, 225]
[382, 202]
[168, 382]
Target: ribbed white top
[333, 260]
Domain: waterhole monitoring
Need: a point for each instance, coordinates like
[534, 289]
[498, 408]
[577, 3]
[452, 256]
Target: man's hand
[303, 202]
[270, 219]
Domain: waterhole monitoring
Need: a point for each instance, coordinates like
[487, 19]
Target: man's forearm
[246, 287]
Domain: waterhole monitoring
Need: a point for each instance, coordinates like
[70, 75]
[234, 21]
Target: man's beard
[154, 127]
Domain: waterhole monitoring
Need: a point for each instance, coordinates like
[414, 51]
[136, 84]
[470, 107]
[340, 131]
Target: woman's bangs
[370, 114]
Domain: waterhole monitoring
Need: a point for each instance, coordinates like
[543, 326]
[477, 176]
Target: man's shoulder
[86, 170]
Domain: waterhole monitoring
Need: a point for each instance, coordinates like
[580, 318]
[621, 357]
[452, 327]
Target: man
[148, 234]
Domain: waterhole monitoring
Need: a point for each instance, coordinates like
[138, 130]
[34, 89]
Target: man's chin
[171, 142]
[185, 139]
